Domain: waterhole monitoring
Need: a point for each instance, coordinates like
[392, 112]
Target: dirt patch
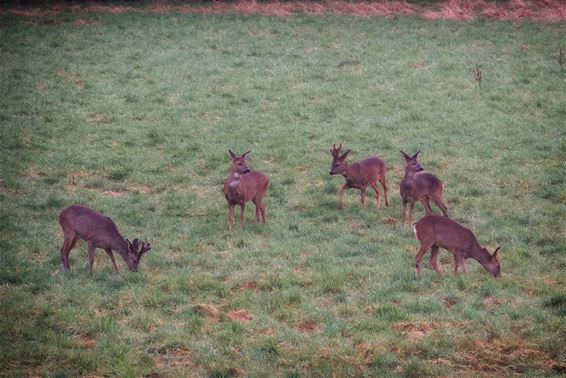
[176, 357]
[86, 342]
[515, 10]
[100, 118]
[492, 301]
[389, 220]
[240, 315]
[368, 350]
[416, 330]
[494, 356]
[308, 326]
[207, 310]
[248, 285]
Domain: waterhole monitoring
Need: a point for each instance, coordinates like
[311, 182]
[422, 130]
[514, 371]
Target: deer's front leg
[363, 197]
[403, 214]
[91, 249]
[341, 196]
[111, 255]
[242, 212]
[231, 215]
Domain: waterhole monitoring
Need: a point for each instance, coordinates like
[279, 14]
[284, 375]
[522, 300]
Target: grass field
[133, 115]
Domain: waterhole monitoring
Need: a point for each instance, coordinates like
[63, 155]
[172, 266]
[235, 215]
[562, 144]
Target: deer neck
[123, 248]
[481, 256]
[349, 172]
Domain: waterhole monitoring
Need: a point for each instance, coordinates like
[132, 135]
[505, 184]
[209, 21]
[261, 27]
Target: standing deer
[359, 175]
[100, 232]
[245, 185]
[434, 231]
[417, 185]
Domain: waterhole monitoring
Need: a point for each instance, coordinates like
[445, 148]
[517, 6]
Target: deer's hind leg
[377, 195]
[437, 199]
[426, 203]
[383, 183]
[425, 245]
[434, 258]
[259, 209]
[71, 239]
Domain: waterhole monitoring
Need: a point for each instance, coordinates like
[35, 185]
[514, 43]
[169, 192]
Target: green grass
[133, 115]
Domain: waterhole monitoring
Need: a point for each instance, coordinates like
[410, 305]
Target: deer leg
[384, 184]
[68, 244]
[111, 255]
[262, 208]
[426, 203]
[377, 195]
[418, 258]
[434, 258]
[403, 213]
[459, 261]
[242, 212]
[257, 210]
[411, 212]
[341, 196]
[363, 197]
[438, 201]
[231, 216]
[91, 249]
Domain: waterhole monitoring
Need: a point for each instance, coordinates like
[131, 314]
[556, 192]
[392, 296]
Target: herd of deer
[244, 185]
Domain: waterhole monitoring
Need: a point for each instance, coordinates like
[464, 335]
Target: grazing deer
[245, 185]
[359, 175]
[434, 231]
[100, 232]
[417, 185]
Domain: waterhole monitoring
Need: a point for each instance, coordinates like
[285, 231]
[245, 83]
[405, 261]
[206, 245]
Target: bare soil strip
[464, 10]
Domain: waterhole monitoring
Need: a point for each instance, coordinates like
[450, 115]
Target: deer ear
[344, 155]
[415, 155]
[232, 155]
[245, 154]
[496, 253]
[407, 157]
[135, 245]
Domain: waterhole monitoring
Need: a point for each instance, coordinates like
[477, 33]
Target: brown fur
[244, 185]
[434, 231]
[100, 232]
[421, 186]
[359, 175]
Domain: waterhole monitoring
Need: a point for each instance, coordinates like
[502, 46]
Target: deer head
[493, 265]
[136, 249]
[338, 161]
[412, 165]
[239, 164]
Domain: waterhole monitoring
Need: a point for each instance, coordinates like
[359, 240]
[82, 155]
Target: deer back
[93, 226]
[449, 234]
[358, 174]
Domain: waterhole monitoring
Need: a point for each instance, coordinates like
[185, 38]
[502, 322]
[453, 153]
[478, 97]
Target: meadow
[133, 115]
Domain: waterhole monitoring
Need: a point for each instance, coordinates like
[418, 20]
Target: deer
[359, 175]
[82, 222]
[421, 186]
[244, 185]
[435, 231]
